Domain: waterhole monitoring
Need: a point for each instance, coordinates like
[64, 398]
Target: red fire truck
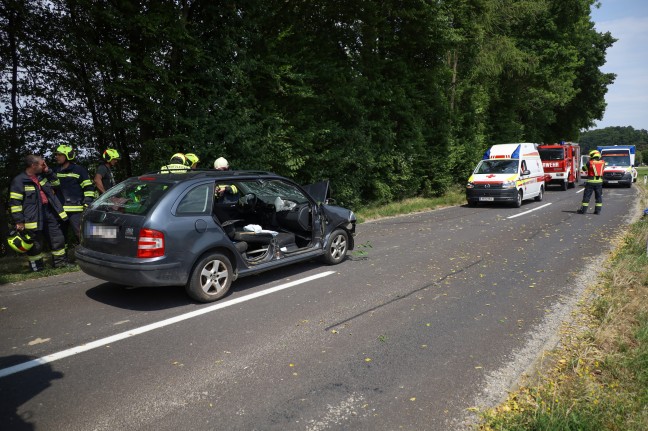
[562, 162]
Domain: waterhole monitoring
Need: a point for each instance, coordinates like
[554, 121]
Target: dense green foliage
[388, 99]
[617, 136]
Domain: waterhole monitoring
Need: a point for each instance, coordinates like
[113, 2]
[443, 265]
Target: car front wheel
[210, 279]
[337, 247]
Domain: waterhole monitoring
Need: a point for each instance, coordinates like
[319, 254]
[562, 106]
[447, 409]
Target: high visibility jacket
[595, 171]
[174, 168]
[76, 189]
[25, 201]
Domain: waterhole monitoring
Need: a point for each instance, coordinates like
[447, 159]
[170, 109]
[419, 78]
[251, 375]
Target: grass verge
[455, 196]
[14, 269]
[598, 378]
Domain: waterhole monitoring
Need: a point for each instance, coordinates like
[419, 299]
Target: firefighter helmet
[20, 242]
[191, 159]
[221, 163]
[594, 154]
[111, 154]
[179, 158]
[67, 151]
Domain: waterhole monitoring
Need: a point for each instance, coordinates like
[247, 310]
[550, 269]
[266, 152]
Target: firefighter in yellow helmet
[76, 191]
[104, 178]
[178, 165]
[594, 183]
[192, 160]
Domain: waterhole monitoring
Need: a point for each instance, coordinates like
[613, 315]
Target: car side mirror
[526, 172]
[329, 201]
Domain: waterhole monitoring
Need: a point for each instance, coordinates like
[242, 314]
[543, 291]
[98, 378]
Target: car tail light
[150, 243]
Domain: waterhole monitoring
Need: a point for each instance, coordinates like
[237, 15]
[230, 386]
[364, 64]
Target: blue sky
[627, 98]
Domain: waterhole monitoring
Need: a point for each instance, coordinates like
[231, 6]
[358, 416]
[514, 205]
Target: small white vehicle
[508, 173]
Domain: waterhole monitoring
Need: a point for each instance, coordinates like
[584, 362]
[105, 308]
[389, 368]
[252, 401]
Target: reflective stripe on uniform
[30, 188]
[73, 208]
[31, 225]
[35, 258]
[68, 175]
[60, 252]
[14, 195]
[16, 209]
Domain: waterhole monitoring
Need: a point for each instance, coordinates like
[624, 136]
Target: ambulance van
[507, 173]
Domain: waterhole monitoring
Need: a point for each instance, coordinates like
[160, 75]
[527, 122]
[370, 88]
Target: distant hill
[627, 135]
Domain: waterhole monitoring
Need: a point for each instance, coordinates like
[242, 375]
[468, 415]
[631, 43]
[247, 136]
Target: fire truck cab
[561, 161]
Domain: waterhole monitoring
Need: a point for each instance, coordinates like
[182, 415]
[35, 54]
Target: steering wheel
[248, 202]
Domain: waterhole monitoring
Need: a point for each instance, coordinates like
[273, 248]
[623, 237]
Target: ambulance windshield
[497, 166]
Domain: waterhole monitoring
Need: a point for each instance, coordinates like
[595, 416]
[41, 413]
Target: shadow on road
[167, 297]
[17, 389]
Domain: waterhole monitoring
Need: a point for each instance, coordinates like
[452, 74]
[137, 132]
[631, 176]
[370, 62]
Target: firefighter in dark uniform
[76, 191]
[594, 183]
[36, 210]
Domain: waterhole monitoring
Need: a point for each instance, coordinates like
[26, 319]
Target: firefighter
[36, 211]
[594, 183]
[225, 193]
[104, 178]
[76, 191]
[192, 160]
[178, 165]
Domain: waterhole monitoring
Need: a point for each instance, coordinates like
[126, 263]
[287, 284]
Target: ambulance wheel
[541, 194]
[518, 201]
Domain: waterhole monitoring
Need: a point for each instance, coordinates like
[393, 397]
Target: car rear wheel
[540, 194]
[210, 279]
[337, 247]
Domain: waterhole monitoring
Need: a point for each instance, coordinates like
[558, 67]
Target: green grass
[598, 378]
[456, 196]
[15, 268]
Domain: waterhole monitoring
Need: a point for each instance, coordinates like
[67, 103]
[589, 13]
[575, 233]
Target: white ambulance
[507, 173]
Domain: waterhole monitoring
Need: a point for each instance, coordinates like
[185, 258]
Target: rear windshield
[131, 197]
[551, 153]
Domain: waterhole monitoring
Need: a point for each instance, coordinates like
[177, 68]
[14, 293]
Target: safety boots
[37, 265]
[60, 262]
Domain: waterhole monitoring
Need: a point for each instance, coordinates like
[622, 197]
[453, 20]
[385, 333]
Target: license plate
[101, 231]
[486, 199]
[613, 182]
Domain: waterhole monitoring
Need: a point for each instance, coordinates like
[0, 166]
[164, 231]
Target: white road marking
[581, 190]
[527, 212]
[114, 338]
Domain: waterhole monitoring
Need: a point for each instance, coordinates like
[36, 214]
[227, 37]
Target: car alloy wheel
[211, 278]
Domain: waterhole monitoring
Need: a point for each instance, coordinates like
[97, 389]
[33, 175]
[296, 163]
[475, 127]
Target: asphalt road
[435, 313]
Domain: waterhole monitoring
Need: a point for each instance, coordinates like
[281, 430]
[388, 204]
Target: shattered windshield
[269, 190]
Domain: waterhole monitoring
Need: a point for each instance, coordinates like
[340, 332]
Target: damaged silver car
[204, 229]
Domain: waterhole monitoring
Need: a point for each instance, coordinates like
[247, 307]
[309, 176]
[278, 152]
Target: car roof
[182, 176]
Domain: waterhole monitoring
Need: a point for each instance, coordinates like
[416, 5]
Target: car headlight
[470, 185]
[508, 185]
